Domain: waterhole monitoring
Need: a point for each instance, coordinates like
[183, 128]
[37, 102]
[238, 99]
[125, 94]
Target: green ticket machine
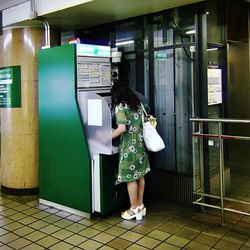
[77, 161]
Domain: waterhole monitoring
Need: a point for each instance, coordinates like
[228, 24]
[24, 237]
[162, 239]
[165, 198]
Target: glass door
[173, 70]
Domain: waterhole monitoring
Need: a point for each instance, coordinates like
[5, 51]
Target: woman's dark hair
[121, 93]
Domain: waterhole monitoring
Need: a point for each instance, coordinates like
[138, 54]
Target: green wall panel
[64, 162]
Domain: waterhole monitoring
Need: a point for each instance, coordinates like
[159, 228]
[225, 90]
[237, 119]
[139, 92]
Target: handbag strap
[144, 111]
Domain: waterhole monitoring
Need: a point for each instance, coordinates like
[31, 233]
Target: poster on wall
[10, 87]
[214, 86]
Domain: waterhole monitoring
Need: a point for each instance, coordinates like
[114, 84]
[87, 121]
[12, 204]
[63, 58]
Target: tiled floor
[24, 224]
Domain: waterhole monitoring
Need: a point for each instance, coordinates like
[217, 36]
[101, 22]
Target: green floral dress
[133, 159]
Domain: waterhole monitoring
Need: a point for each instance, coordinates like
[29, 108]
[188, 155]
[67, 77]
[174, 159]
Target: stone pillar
[19, 126]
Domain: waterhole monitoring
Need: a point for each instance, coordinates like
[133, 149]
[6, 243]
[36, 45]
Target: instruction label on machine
[10, 87]
[94, 74]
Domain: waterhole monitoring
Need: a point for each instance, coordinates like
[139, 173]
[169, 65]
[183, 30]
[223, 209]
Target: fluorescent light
[190, 32]
[211, 49]
[124, 42]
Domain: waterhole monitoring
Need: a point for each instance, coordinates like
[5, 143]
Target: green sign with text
[10, 87]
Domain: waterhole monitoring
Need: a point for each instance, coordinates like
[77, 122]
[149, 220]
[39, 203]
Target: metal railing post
[222, 179]
[201, 161]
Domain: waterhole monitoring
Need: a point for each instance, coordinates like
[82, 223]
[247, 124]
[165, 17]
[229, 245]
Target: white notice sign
[95, 112]
[214, 86]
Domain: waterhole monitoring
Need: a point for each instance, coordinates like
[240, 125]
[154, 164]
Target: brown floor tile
[7, 212]
[196, 246]
[196, 226]
[116, 231]
[88, 222]
[136, 247]
[17, 216]
[19, 243]
[21, 208]
[206, 239]
[228, 245]
[23, 231]
[76, 239]
[142, 229]
[13, 226]
[215, 231]
[112, 220]
[61, 246]
[159, 235]
[8, 237]
[3, 231]
[244, 248]
[119, 243]
[186, 233]
[38, 224]
[101, 226]
[62, 234]
[89, 232]
[12, 204]
[169, 228]
[75, 228]
[50, 229]
[131, 236]
[28, 220]
[40, 215]
[5, 221]
[35, 236]
[127, 224]
[103, 238]
[235, 237]
[47, 241]
[106, 248]
[33, 246]
[5, 248]
[90, 245]
[247, 243]
[148, 242]
[63, 223]
[52, 218]
[166, 246]
[177, 241]
[30, 211]
[180, 222]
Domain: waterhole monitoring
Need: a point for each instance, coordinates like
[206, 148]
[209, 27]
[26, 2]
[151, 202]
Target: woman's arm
[119, 130]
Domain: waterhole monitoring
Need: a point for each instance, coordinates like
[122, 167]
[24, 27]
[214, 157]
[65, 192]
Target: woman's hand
[119, 130]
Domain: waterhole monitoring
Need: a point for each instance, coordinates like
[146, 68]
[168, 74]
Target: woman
[133, 159]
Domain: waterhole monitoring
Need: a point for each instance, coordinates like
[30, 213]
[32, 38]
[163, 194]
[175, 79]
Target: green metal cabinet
[64, 162]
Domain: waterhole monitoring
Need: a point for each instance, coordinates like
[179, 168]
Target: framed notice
[10, 87]
[214, 86]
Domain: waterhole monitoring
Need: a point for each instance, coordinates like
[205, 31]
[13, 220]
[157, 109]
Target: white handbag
[152, 139]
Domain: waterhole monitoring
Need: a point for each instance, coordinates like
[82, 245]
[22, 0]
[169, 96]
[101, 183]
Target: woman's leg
[140, 189]
[133, 193]
[134, 211]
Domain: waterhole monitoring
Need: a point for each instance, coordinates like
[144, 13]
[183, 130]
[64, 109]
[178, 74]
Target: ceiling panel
[104, 11]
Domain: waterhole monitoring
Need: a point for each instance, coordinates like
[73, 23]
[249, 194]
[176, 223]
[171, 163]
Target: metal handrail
[223, 120]
[221, 137]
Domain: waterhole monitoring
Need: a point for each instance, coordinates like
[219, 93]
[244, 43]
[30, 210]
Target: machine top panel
[93, 50]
